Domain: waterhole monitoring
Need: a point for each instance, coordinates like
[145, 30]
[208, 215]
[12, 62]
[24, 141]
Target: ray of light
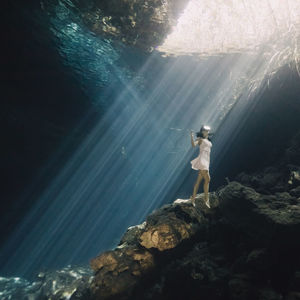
[117, 176]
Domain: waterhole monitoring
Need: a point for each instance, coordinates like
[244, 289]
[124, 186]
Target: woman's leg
[196, 186]
[206, 177]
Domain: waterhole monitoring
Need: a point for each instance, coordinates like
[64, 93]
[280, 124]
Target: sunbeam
[138, 153]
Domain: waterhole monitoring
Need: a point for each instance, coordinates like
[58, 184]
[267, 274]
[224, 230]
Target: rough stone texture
[266, 217]
[144, 24]
[118, 272]
[166, 228]
[246, 246]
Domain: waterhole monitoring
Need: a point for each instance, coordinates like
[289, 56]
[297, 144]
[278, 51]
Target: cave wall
[143, 24]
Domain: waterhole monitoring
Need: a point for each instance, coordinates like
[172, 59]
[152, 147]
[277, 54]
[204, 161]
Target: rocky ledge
[246, 246]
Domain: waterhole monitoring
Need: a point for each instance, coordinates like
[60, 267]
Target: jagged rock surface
[144, 24]
[118, 272]
[245, 247]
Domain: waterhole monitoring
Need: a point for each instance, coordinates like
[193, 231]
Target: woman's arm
[198, 140]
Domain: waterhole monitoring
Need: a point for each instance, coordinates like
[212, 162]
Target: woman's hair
[200, 132]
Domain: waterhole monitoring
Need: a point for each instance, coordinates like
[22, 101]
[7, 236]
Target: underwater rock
[144, 24]
[68, 283]
[167, 227]
[295, 192]
[245, 248]
[241, 288]
[118, 272]
[131, 236]
[265, 217]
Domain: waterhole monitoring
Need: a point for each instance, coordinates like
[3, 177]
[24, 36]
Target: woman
[201, 162]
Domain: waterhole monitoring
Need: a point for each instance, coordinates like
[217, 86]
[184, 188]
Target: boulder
[118, 271]
[167, 227]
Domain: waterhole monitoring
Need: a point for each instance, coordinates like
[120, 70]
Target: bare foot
[207, 203]
[193, 201]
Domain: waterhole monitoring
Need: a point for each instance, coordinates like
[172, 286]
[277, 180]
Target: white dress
[201, 162]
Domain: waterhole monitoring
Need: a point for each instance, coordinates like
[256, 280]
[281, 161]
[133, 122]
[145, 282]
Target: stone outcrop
[265, 217]
[246, 246]
[119, 272]
[144, 24]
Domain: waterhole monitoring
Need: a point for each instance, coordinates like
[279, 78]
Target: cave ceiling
[206, 27]
[143, 24]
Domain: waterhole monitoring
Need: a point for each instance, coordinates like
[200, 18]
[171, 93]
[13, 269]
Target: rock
[263, 217]
[144, 24]
[295, 192]
[293, 296]
[68, 283]
[295, 282]
[269, 294]
[294, 179]
[242, 248]
[166, 228]
[266, 181]
[132, 235]
[259, 260]
[200, 201]
[194, 275]
[241, 288]
[118, 271]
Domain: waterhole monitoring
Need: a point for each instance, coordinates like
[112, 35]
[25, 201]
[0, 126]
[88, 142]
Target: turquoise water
[137, 154]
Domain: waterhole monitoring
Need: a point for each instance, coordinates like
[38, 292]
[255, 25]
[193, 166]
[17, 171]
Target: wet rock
[267, 181]
[144, 24]
[118, 271]
[195, 275]
[295, 282]
[263, 217]
[132, 235]
[259, 260]
[295, 192]
[241, 288]
[68, 283]
[294, 179]
[166, 228]
[244, 247]
[293, 296]
[269, 294]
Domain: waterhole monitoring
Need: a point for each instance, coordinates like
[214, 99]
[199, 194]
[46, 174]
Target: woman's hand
[192, 139]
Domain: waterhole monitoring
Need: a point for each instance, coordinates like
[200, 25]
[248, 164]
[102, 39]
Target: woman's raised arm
[198, 140]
